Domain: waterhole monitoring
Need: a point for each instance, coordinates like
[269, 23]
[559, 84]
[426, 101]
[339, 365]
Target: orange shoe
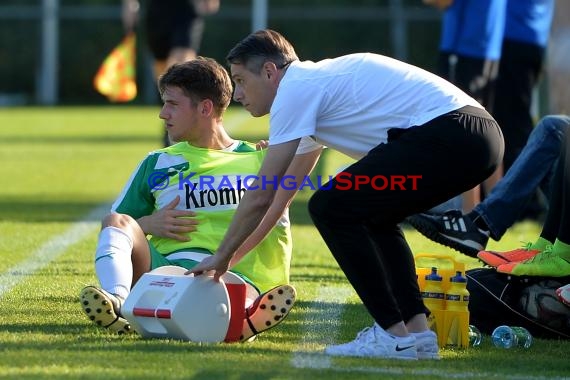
[547, 264]
[494, 259]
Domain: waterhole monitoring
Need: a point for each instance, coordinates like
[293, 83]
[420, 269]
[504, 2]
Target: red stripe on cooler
[163, 313]
[143, 312]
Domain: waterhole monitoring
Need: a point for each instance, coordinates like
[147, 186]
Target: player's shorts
[183, 258]
[172, 24]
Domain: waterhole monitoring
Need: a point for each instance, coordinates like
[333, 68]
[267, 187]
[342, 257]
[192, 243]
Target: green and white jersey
[210, 183]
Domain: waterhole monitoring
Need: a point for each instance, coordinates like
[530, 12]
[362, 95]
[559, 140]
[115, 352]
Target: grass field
[61, 168]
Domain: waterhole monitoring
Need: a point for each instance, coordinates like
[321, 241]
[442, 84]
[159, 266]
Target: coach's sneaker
[563, 294]
[452, 229]
[546, 263]
[376, 342]
[268, 310]
[494, 259]
[104, 309]
[426, 345]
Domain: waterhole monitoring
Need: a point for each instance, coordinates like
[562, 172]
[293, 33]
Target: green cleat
[545, 263]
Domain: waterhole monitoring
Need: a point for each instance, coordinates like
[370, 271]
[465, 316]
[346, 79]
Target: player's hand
[262, 144]
[215, 263]
[168, 222]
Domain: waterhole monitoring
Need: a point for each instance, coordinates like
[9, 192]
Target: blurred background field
[84, 32]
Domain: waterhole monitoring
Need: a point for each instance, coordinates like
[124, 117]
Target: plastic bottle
[457, 315]
[457, 296]
[511, 336]
[432, 293]
[475, 336]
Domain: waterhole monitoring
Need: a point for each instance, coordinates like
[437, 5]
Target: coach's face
[255, 91]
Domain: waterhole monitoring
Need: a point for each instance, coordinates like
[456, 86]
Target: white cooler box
[165, 303]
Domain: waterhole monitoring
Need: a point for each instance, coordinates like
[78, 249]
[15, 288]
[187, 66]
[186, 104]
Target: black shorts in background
[171, 24]
[476, 76]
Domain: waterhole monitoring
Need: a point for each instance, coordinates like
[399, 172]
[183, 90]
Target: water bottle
[432, 293]
[457, 296]
[511, 336]
[457, 312]
[475, 336]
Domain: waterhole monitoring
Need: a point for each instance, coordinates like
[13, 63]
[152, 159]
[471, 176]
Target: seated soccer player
[180, 200]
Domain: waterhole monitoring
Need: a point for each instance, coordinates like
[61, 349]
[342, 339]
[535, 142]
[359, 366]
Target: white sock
[113, 261]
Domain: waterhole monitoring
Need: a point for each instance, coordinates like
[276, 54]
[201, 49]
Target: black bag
[530, 302]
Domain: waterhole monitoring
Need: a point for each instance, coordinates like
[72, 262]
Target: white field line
[329, 304]
[52, 249]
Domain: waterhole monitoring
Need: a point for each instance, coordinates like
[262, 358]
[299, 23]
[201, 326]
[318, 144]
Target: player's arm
[301, 166]
[252, 208]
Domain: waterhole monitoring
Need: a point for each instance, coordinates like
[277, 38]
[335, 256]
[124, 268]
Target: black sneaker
[452, 229]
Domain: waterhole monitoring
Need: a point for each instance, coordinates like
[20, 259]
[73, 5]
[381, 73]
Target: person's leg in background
[500, 210]
[534, 167]
[477, 77]
[174, 33]
[554, 260]
[519, 73]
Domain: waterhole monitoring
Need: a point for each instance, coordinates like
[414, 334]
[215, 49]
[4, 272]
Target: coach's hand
[215, 263]
[168, 222]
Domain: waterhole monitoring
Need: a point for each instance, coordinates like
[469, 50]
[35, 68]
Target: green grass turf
[58, 164]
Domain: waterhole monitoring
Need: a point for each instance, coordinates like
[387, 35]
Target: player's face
[254, 91]
[180, 115]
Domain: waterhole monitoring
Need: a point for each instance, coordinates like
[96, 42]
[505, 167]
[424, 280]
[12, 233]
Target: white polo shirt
[349, 103]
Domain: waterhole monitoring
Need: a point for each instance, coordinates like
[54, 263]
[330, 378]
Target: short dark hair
[260, 47]
[200, 78]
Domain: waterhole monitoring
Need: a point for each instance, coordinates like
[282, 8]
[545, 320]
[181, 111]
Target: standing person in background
[469, 54]
[527, 29]
[173, 30]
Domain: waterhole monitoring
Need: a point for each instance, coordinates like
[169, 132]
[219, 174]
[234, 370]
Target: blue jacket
[529, 21]
[474, 28]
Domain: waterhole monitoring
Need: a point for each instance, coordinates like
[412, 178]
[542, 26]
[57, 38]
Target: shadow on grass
[32, 211]
[88, 337]
[110, 139]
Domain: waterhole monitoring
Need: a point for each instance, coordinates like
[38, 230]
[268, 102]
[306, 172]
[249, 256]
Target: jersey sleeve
[136, 198]
[307, 144]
